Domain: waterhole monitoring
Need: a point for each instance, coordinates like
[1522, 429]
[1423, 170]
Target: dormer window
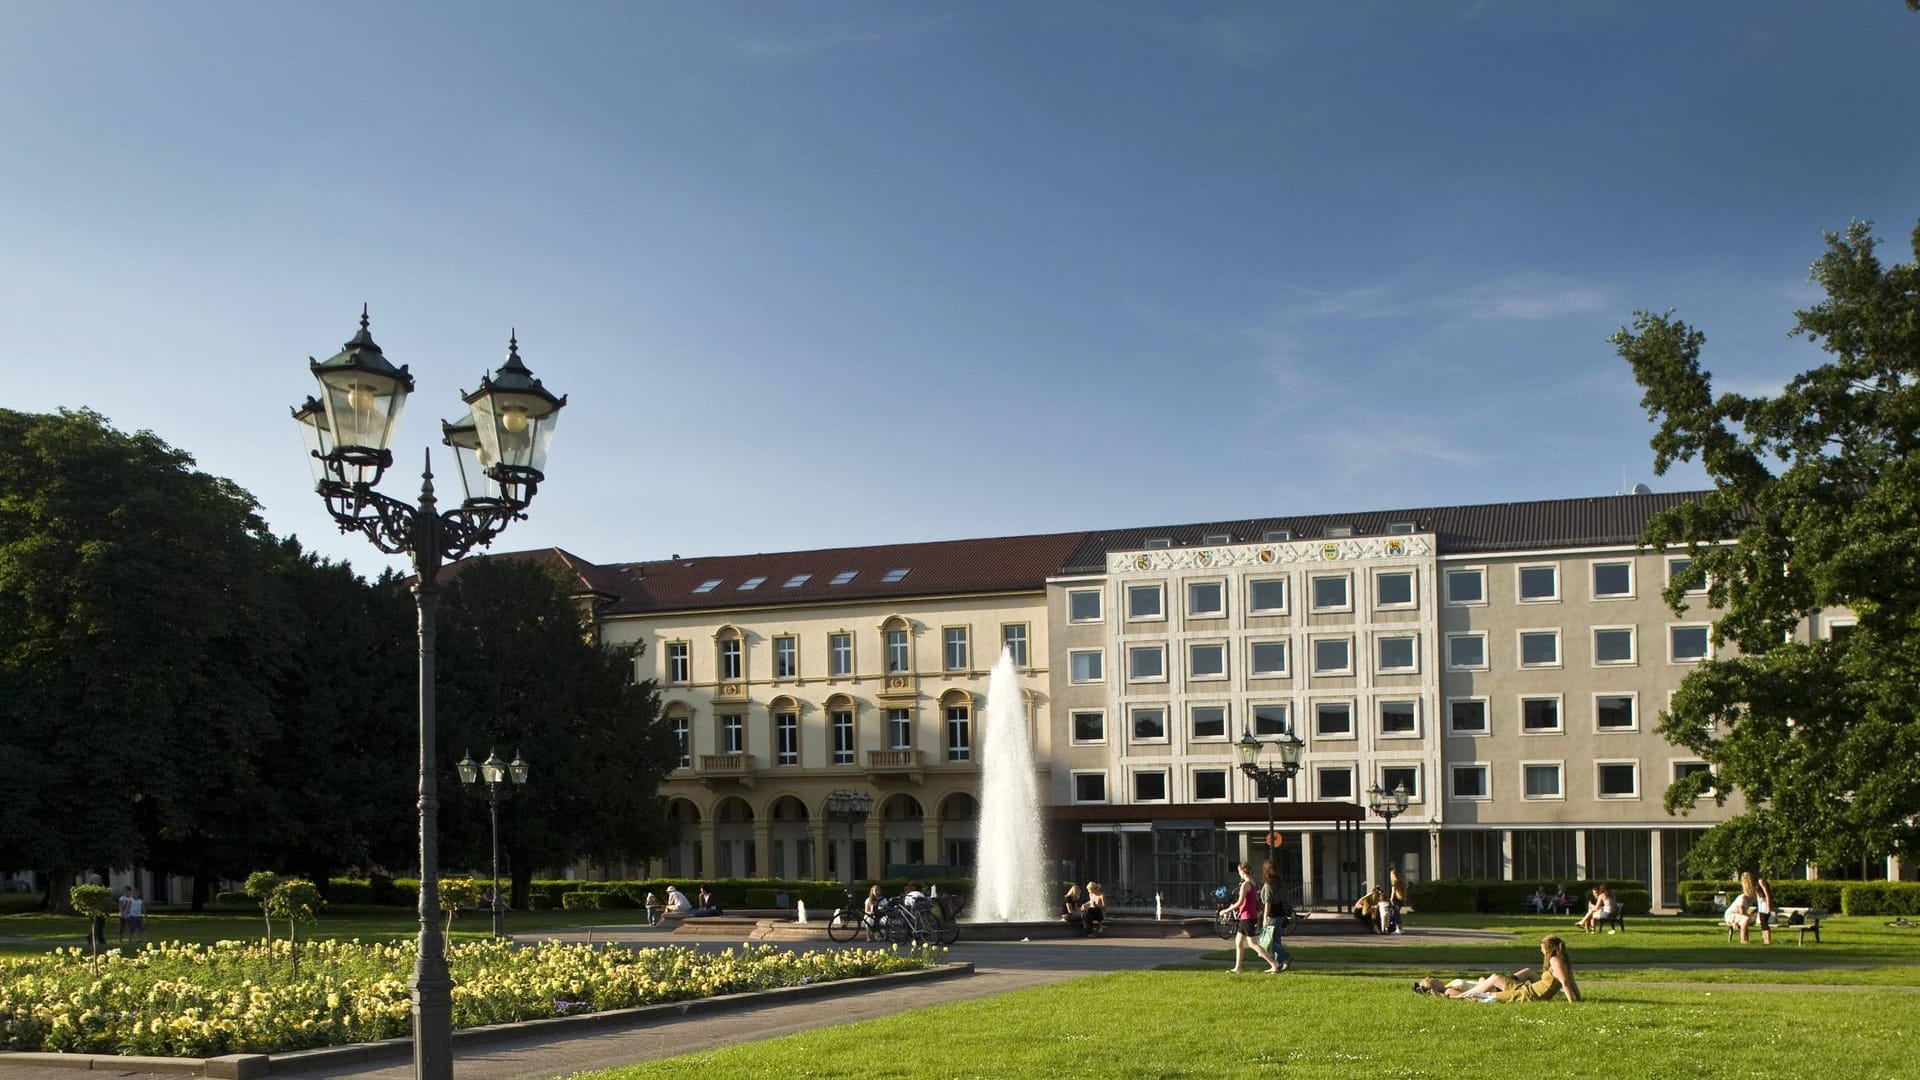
[1339, 530]
[1217, 538]
[1160, 542]
[1272, 535]
[1401, 527]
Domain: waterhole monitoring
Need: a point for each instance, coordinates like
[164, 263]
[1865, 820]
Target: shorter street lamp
[852, 807]
[1272, 780]
[1389, 805]
[494, 773]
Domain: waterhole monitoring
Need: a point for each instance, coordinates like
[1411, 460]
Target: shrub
[1879, 898]
[348, 891]
[382, 890]
[539, 902]
[233, 899]
[584, 900]
[1802, 893]
[1450, 895]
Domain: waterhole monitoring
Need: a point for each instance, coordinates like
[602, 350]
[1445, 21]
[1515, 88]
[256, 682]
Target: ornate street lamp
[347, 429]
[1389, 805]
[1273, 780]
[852, 807]
[495, 773]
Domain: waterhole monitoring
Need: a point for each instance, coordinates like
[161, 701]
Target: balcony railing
[893, 760]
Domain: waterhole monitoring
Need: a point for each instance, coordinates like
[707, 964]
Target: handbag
[1266, 937]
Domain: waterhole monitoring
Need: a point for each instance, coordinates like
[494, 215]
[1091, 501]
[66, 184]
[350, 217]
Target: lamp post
[852, 807]
[494, 773]
[501, 448]
[1389, 805]
[1272, 780]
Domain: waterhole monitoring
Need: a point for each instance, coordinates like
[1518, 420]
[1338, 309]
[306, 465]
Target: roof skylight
[753, 583]
[797, 580]
[707, 586]
[896, 574]
[843, 577]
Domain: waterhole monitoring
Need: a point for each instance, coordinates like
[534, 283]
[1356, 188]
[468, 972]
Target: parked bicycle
[852, 920]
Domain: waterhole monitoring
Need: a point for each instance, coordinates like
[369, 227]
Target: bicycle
[850, 921]
[921, 923]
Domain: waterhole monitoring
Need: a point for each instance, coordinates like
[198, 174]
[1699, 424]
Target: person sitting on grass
[1522, 985]
[1366, 909]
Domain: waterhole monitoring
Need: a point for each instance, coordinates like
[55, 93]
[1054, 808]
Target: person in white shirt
[677, 902]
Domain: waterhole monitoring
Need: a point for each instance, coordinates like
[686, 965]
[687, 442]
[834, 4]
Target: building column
[1306, 868]
[1895, 868]
[1433, 853]
[1580, 854]
[1656, 848]
[709, 850]
[876, 849]
[1813, 871]
[930, 839]
[1506, 854]
[762, 848]
[1370, 870]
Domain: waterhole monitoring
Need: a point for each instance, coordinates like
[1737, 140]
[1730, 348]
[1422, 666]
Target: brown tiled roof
[589, 579]
[948, 567]
[1490, 527]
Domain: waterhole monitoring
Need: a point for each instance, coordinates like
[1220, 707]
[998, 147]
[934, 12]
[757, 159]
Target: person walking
[1247, 909]
[1396, 896]
[1271, 904]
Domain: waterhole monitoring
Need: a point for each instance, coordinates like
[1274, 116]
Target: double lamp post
[1271, 764]
[501, 448]
[1389, 805]
[852, 807]
[494, 773]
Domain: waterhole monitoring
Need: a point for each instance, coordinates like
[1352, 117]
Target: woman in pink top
[1247, 908]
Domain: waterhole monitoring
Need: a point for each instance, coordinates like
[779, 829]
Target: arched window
[956, 712]
[896, 646]
[786, 730]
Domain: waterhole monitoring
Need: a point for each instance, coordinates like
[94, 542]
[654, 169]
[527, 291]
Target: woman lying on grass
[1522, 985]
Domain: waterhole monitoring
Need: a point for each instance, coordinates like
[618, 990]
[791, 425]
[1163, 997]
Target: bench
[1783, 921]
[1617, 918]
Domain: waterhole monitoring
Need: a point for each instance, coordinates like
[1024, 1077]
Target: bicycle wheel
[845, 925]
[1227, 924]
[895, 928]
[942, 929]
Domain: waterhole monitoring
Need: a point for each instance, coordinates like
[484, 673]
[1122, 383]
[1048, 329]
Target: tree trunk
[202, 888]
[60, 882]
[521, 894]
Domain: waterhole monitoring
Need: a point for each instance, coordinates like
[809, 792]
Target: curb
[253, 1066]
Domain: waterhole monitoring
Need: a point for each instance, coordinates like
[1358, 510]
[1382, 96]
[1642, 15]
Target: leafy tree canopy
[521, 672]
[1815, 505]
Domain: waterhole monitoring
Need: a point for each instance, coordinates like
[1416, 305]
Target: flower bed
[179, 1000]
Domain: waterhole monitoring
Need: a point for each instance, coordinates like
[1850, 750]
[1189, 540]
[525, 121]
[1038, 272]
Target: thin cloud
[1529, 298]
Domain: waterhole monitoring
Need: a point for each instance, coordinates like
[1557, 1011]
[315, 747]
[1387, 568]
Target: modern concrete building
[1504, 664]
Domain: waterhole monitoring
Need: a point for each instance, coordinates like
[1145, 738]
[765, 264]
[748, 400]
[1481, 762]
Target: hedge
[1469, 896]
[234, 899]
[1879, 898]
[1696, 897]
[584, 901]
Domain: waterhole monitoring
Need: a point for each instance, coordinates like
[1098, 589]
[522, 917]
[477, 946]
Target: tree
[521, 671]
[1815, 504]
[95, 902]
[297, 901]
[131, 621]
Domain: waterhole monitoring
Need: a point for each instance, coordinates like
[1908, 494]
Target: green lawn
[1211, 1024]
[37, 932]
[1348, 1011]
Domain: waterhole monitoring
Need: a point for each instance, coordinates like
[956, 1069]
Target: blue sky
[825, 274]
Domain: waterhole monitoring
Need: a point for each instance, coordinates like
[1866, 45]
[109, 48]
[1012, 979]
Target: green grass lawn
[1348, 1011]
[27, 932]
[1211, 1024]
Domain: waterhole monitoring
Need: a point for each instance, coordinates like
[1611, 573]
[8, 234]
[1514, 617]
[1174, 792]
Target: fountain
[1010, 877]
